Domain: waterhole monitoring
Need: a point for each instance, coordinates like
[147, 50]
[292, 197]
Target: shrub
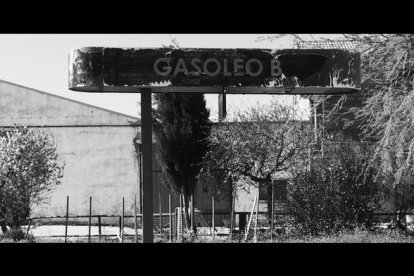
[337, 192]
[356, 235]
[28, 171]
[14, 235]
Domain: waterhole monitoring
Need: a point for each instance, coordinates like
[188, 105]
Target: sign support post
[222, 105]
[146, 140]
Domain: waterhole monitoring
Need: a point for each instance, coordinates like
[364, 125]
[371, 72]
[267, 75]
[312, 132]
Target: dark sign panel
[295, 71]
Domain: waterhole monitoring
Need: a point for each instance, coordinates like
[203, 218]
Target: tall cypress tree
[181, 128]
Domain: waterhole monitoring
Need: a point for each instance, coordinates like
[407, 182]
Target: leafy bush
[255, 145]
[28, 171]
[357, 235]
[337, 192]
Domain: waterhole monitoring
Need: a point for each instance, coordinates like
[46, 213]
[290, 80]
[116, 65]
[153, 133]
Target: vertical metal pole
[273, 212]
[222, 105]
[160, 215]
[140, 179]
[256, 199]
[122, 220]
[147, 192]
[181, 218]
[67, 218]
[120, 227]
[192, 212]
[99, 226]
[323, 125]
[315, 125]
[256, 220]
[90, 219]
[323, 117]
[232, 214]
[212, 217]
[176, 232]
[170, 216]
[135, 219]
[28, 227]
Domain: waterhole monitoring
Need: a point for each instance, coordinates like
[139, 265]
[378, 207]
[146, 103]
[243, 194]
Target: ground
[110, 234]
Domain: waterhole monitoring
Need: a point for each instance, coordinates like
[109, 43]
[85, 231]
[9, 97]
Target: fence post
[67, 218]
[212, 216]
[122, 221]
[28, 227]
[192, 212]
[250, 218]
[182, 219]
[99, 226]
[176, 237]
[170, 216]
[90, 219]
[160, 215]
[135, 219]
[120, 227]
[256, 220]
[232, 215]
[273, 212]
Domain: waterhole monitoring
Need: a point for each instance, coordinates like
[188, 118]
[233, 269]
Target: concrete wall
[99, 162]
[96, 146]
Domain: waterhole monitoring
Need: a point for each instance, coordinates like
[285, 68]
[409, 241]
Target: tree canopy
[181, 128]
[257, 144]
[388, 113]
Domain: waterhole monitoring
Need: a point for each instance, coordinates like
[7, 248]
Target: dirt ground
[79, 233]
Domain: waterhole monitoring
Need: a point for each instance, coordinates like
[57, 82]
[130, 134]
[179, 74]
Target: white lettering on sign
[213, 67]
[276, 66]
[165, 70]
[248, 67]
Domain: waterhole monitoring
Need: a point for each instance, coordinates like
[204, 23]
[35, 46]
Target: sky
[40, 61]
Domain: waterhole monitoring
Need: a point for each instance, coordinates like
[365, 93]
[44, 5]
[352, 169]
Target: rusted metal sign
[223, 71]
[237, 71]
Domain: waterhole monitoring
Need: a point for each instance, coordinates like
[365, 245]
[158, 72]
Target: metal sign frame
[131, 70]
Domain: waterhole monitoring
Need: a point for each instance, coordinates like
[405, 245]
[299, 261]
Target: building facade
[100, 151]
[96, 147]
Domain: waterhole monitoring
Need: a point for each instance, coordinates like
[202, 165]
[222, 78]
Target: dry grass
[355, 236]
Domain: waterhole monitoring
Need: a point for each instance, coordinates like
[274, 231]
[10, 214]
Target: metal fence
[170, 225]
